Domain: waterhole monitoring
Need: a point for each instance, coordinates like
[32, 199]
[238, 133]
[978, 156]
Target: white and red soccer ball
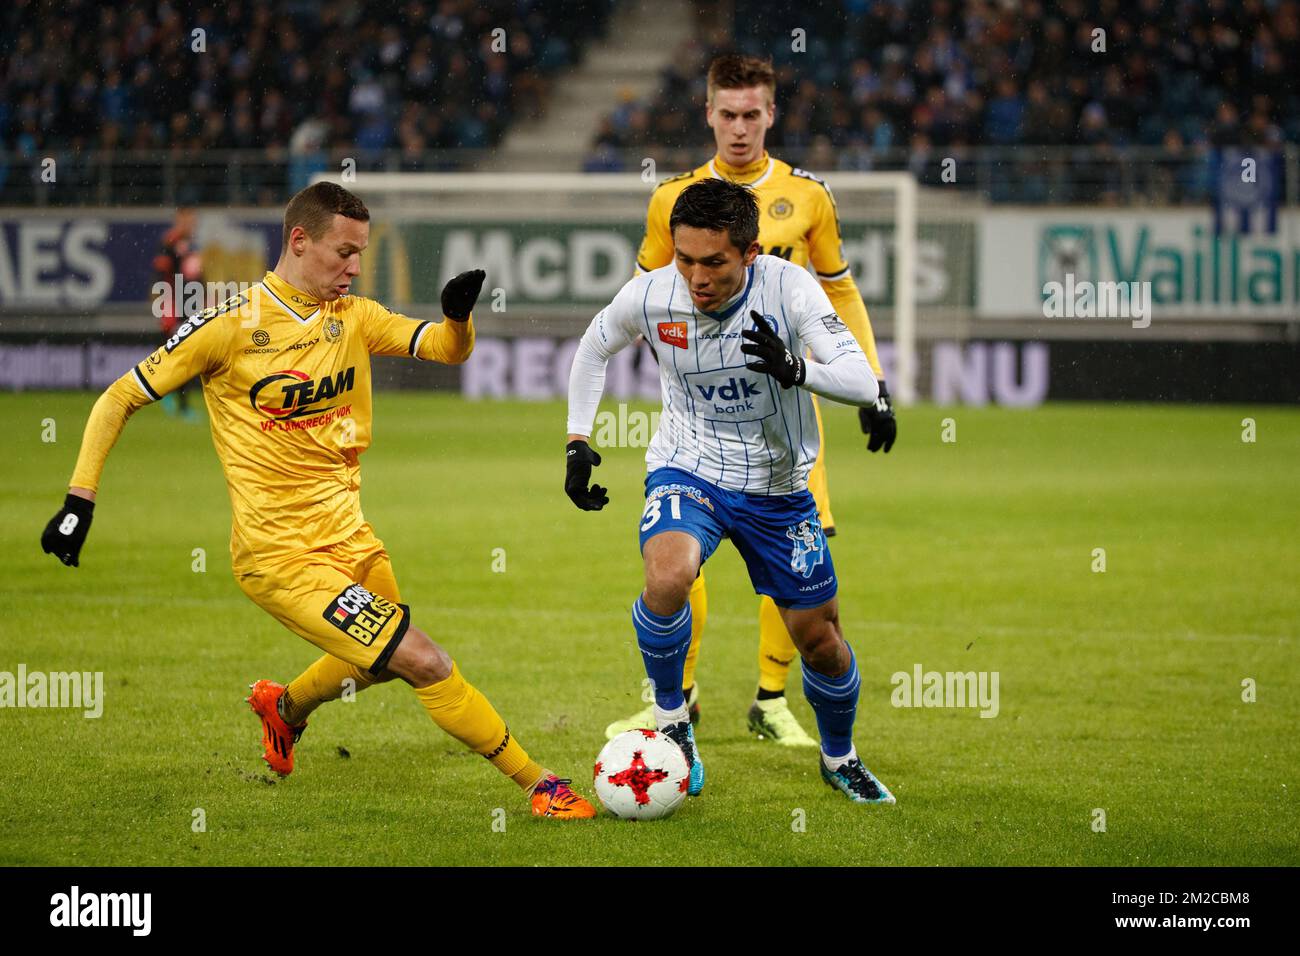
[641, 775]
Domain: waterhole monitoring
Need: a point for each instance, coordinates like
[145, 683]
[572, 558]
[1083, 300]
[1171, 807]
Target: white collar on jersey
[771, 164]
[290, 309]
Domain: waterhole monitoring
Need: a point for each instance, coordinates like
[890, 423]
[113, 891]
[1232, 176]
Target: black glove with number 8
[66, 531]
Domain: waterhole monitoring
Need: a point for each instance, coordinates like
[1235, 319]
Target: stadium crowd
[919, 76]
[298, 77]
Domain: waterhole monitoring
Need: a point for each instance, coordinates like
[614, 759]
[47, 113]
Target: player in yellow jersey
[285, 368]
[798, 222]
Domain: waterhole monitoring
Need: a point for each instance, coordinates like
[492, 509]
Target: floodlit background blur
[1106, 140]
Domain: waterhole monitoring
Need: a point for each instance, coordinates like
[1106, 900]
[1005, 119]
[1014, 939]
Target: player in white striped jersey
[731, 457]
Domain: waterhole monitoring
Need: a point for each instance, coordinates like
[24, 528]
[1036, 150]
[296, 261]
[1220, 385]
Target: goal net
[557, 246]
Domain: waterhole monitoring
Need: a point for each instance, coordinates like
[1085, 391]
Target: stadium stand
[297, 81]
[887, 84]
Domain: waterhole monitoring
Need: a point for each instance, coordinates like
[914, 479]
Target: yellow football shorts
[342, 597]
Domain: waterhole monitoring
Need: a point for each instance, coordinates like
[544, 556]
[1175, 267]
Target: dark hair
[314, 209]
[736, 71]
[719, 205]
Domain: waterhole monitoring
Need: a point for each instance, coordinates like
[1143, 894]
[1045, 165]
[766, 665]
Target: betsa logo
[291, 394]
[196, 321]
[673, 333]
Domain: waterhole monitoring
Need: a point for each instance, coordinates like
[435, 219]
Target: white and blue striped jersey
[733, 427]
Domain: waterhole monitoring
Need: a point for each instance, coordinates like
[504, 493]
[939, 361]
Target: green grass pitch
[1120, 691]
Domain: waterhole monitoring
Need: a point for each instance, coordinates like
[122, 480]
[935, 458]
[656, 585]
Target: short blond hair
[736, 71]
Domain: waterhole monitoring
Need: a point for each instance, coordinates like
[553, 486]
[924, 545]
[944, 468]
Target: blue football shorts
[779, 537]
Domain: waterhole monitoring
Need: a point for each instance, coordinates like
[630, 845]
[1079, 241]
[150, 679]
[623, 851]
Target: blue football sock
[664, 642]
[834, 701]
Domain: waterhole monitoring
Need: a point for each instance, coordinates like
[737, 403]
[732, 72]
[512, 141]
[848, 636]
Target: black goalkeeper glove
[66, 532]
[878, 422]
[774, 358]
[460, 293]
[580, 458]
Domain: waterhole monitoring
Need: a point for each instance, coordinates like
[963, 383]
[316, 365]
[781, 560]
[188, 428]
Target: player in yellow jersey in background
[285, 368]
[799, 223]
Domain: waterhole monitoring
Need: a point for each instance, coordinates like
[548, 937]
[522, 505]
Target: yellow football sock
[320, 682]
[776, 652]
[699, 599]
[459, 709]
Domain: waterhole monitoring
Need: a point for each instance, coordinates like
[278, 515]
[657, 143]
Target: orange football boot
[553, 798]
[278, 737]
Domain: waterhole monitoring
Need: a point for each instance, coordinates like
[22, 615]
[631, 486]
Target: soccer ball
[641, 775]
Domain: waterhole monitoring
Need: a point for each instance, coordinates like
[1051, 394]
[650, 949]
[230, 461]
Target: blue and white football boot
[683, 735]
[855, 781]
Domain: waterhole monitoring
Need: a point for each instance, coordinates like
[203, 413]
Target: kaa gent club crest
[809, 546]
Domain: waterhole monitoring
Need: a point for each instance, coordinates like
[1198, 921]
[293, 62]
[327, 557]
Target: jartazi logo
[103, 909]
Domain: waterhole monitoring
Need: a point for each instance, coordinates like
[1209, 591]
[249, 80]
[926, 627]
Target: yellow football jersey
[286, 380]
[797, 221]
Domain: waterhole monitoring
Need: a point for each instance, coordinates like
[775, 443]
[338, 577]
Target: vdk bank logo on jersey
[732, 394]
[809, 547]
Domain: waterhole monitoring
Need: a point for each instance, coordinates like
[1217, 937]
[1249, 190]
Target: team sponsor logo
[804, 174]
[359, 614]
[834, 324]
[261, 337]
[302, 345]
[825, 582]
[187, 328]
[781, 252]
[809, 547]
[336, 414]
[333, 329]
[729, 395]
[253, 351]
[673, 333]
[505, 742]
[781, 208]
[678, 488]
[292, 394]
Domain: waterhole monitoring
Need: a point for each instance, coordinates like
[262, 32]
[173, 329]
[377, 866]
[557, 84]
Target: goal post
[533, 203]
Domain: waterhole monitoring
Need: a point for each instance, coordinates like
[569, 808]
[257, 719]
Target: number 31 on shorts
[651, 513]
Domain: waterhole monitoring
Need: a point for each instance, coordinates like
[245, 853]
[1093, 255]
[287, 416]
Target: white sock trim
[834, 763]
[666, 718]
